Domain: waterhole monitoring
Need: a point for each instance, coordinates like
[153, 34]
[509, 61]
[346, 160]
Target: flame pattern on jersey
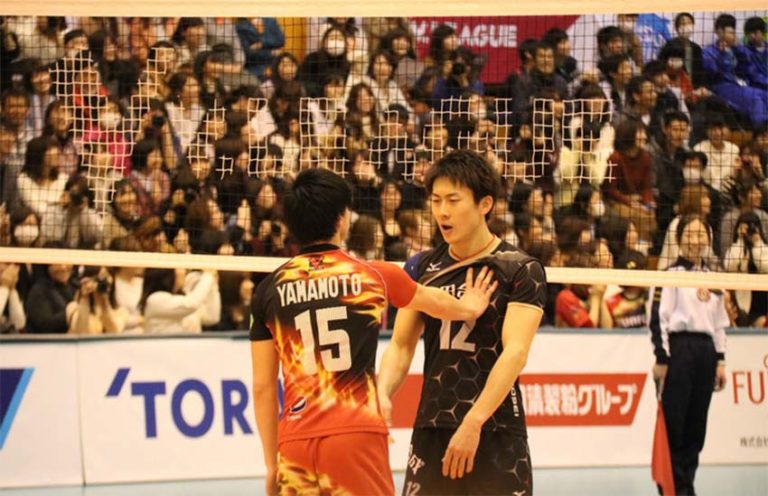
[296, 480]
[318, 400]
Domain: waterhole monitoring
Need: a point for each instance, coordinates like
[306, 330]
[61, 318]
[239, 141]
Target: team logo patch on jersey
[316, 262]
[703, 294]
[434, 267]
[298, 406]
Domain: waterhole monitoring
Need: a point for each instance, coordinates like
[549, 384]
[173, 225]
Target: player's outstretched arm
[520, 324]
[441, 305]
[397, 358]
[265, 369]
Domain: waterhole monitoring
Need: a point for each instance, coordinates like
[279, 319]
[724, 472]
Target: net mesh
[179, 135]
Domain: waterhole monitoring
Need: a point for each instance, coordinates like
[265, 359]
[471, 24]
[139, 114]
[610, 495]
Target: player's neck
[480, 243]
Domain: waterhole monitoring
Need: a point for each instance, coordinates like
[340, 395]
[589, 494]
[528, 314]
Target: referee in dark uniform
[688, 335]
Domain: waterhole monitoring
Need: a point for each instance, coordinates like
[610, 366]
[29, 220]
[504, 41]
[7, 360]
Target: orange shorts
[355, 463]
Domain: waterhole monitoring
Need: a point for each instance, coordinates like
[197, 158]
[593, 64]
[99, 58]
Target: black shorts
[502, 465]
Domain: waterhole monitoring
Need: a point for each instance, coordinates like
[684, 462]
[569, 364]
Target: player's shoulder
[427, 262]
[509, 260]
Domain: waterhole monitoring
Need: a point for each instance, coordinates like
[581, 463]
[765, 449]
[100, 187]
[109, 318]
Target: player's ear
[486, 204]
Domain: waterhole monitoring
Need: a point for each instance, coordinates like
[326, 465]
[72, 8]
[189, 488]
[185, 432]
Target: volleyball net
[169, 141]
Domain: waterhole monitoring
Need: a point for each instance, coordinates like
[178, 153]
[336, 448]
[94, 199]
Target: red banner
[553, 400]
[498, 38]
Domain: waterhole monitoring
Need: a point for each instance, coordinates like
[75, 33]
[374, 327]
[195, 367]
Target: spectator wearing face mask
[692, 54]
[107, 145]
[331, 57]
[25, 233]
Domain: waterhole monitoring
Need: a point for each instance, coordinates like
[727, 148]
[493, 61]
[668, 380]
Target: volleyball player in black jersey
[470, 434]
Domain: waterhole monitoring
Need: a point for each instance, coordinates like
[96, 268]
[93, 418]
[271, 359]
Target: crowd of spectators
[179, 135]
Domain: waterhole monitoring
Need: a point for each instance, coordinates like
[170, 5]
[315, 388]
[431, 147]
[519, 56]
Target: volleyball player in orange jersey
[318, 317]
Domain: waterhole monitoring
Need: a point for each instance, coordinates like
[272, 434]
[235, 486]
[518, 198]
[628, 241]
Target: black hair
[467, 168]
[541, 46]
[635, 85]
[526, 49]
[725, 21]
[654, 68]
[688, 219]
[675, 115]
[75, 33]
[14, 93]
[753, 25]
[275, 75]
[156, 280]
[314, 203]
[674, 48]
[682, 15]
[35, 157]
[607, 34]
[610, 64]
[140, 153]
[555, 36]
[518, 200]
[691, 155]
[389, 58]
[439, 34]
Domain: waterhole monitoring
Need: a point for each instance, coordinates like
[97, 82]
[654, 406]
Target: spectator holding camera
[749, 198]
[97, 311]
[73, 220]
[748, 253]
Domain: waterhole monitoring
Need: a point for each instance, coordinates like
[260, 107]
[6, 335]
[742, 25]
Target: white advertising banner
[590, 401]
[738, 416]
[166, 408]
[39, 415]
[180, 407]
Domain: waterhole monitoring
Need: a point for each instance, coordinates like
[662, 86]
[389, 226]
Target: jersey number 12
[325, 337]
[459, 341]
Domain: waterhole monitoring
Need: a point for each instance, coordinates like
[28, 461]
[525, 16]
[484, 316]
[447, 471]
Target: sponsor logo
[749, 386]
[581, 399]
[230, 397]
[703, 294]
[13, 385]
[434, 267]
[298, 406]
[316, 262]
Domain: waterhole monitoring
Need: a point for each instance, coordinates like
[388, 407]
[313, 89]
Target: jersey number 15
[325, 337]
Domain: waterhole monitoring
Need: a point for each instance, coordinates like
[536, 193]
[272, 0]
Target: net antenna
[322, 134]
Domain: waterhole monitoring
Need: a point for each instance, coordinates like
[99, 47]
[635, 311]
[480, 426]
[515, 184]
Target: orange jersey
[324, 310]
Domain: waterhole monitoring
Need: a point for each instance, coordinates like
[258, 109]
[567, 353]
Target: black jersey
[460, 355]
